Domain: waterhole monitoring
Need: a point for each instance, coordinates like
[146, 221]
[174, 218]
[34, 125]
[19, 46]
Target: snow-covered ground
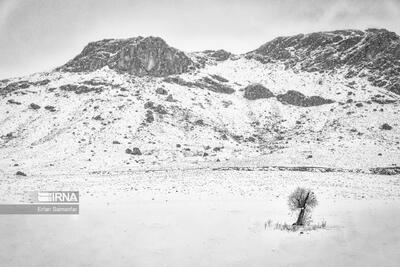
[204, 218]
[181, 202]
[91, 131]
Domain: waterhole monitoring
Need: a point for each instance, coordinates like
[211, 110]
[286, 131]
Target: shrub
[302, 200]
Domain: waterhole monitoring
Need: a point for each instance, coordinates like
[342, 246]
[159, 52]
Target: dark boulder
[296, 98]
[256, 91]
[170, 98]
[34, 106]
[161, 91]
[386, 126]
[50, 108]
[134, 151]
[20, 173]
[149, 116]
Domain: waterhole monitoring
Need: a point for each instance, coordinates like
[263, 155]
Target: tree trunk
[300, 219]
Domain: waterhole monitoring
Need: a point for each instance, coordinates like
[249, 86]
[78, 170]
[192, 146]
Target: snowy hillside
[145, 105]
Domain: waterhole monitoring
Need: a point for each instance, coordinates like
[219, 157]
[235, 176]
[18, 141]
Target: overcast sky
[37, 35]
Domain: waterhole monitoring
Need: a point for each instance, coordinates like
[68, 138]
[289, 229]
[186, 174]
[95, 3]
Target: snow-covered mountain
[322, 99]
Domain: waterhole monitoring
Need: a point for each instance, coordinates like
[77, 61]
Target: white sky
[37, 35]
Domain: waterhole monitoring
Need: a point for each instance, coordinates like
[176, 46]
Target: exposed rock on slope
[203, 83]
[374, 53]
[298, 99]
[218, 55]
[256, 91]
[140, 56]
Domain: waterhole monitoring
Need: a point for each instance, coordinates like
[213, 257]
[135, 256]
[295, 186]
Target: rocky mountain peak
[138, 56]
[374, 53]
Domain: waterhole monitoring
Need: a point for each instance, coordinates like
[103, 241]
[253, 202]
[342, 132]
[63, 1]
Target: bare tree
[302, 200]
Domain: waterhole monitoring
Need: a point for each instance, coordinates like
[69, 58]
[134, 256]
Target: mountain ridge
[223, 109]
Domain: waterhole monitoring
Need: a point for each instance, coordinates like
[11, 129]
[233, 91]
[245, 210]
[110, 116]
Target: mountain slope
[86, 114]
[374, 53]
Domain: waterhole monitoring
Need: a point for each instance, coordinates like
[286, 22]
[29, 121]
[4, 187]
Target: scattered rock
[149, 104]
[170, 98]
[12, 101]
[20, 173]
[50, 108]
[161, 91]
[199, 122]
[160, 109]
[34, 106]
[80, 89]
[98, 118]
[134, 151]
[386, 126]
[149, 116]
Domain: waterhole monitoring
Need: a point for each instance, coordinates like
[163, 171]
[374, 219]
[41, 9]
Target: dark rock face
[138, 56]
[296, 98]
[19, 173]
[374, 52]
[257, 91]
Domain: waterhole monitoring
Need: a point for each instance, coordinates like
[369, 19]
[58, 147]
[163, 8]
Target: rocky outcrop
[374, 53]
[138, 56]
[80, 89]
[203, 83]
[256, 91]
[218, 55]
[296, 98]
